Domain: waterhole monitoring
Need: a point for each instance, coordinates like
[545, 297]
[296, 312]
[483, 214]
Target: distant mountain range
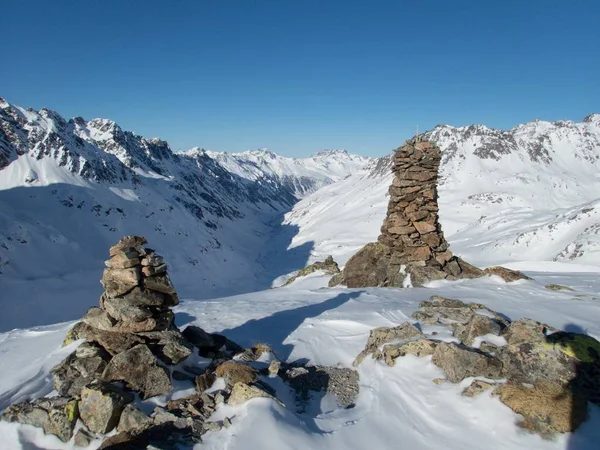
[71, 188]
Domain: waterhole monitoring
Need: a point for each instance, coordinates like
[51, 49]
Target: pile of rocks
[132, 346]
[548, 376]
[411, 249]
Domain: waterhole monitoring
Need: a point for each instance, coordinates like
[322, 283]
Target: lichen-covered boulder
[419, 348]
[81, 367]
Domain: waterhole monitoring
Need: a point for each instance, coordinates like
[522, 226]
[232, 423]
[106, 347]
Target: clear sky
[297, 76]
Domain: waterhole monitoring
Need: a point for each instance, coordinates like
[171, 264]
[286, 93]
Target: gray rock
[112, 341]
[83, 438]
[98, 318]
[390, 352]
[243, 392]
[144, 297]
[120, 281]
[160, 283]
[81, 367]
[120, 309]
[460, 362]
[478, 325]
[101, 406]
[158, 322]
[56, 415]
[133, 419]
[138, 368]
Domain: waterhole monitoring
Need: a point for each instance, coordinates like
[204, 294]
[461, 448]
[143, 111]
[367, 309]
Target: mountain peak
[331, 152]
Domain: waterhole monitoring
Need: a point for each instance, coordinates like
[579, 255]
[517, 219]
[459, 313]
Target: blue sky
[297, 76]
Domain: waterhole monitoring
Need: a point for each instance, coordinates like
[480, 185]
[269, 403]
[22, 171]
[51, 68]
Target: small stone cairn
[132, 348]
[411, 249]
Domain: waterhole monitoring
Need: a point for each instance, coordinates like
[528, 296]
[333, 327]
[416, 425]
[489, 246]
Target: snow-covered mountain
[531, 193]
[300, 175]
[71, 188]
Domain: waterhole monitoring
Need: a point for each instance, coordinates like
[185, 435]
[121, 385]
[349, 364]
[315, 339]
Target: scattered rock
[274, 367]
[460, 362]
[101, 406]
[383, 335]
[558, 287]
[329, 266]
[477, 387]
[420, 347]
[81, 367]
[227, 422]
[139, 369]
[243, 392]
[507, 275]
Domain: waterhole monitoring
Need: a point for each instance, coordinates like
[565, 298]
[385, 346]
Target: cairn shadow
[582, 389]
[274, 329]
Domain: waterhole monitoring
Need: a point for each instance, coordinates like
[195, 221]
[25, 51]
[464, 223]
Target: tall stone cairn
[411, 249]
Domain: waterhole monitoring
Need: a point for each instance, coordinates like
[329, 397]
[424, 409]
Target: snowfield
[397, 406]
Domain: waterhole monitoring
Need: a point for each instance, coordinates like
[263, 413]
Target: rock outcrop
[328, 266]
[411, 249]
[544, 374]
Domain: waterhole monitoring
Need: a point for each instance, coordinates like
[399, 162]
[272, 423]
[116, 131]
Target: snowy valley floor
[398, 407]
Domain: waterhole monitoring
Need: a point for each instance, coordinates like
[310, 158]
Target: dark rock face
[411, 249]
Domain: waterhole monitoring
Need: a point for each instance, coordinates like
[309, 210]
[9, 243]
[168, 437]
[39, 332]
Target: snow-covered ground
[396, 407]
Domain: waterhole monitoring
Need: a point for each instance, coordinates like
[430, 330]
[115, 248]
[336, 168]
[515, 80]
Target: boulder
[460, 362]
[139, 369]
[101, 406]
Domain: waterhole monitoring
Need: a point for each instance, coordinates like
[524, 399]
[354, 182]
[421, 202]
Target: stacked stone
[411, 241]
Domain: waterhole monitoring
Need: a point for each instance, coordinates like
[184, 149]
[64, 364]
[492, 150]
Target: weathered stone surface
[139, 369]
[383, 335]
[98, 318]
[242, 392]
[120, 281]
[477, 387]
[507, 275]
[113, 342]
[254, 353]
[144, 297]
[205, 381]
[234, 372]
[329, 266]
[81, 367]
[150, 271]
[123, 258]
[460, 362]
[159, 321]
[547, 407]
[101, 406]
[83, 438]
[537, 353]
[133, 419]
[420, 347]
[558, 287]
[478, 325]
[160, 283]
[120, 309]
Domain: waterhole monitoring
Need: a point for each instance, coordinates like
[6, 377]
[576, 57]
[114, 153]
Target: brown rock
[160, 283]
[205, 381]
[507, 275]
[120, 281]
[234, 372]
[460, 362]
[424, 227]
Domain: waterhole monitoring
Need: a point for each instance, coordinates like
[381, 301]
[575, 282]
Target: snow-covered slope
[70, 189]
[301, 175]
[528, 194]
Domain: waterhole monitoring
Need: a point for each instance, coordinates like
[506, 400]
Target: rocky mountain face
[67, 187]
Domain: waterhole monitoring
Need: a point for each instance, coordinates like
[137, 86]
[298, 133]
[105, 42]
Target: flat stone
[160, 283]
[424, 227]
[241, 393]
[120, 309]
[113, 342]
[160, 322]
[150, 271]
[507, 275]
[120, 281]
[98, 318]
[144, 297]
